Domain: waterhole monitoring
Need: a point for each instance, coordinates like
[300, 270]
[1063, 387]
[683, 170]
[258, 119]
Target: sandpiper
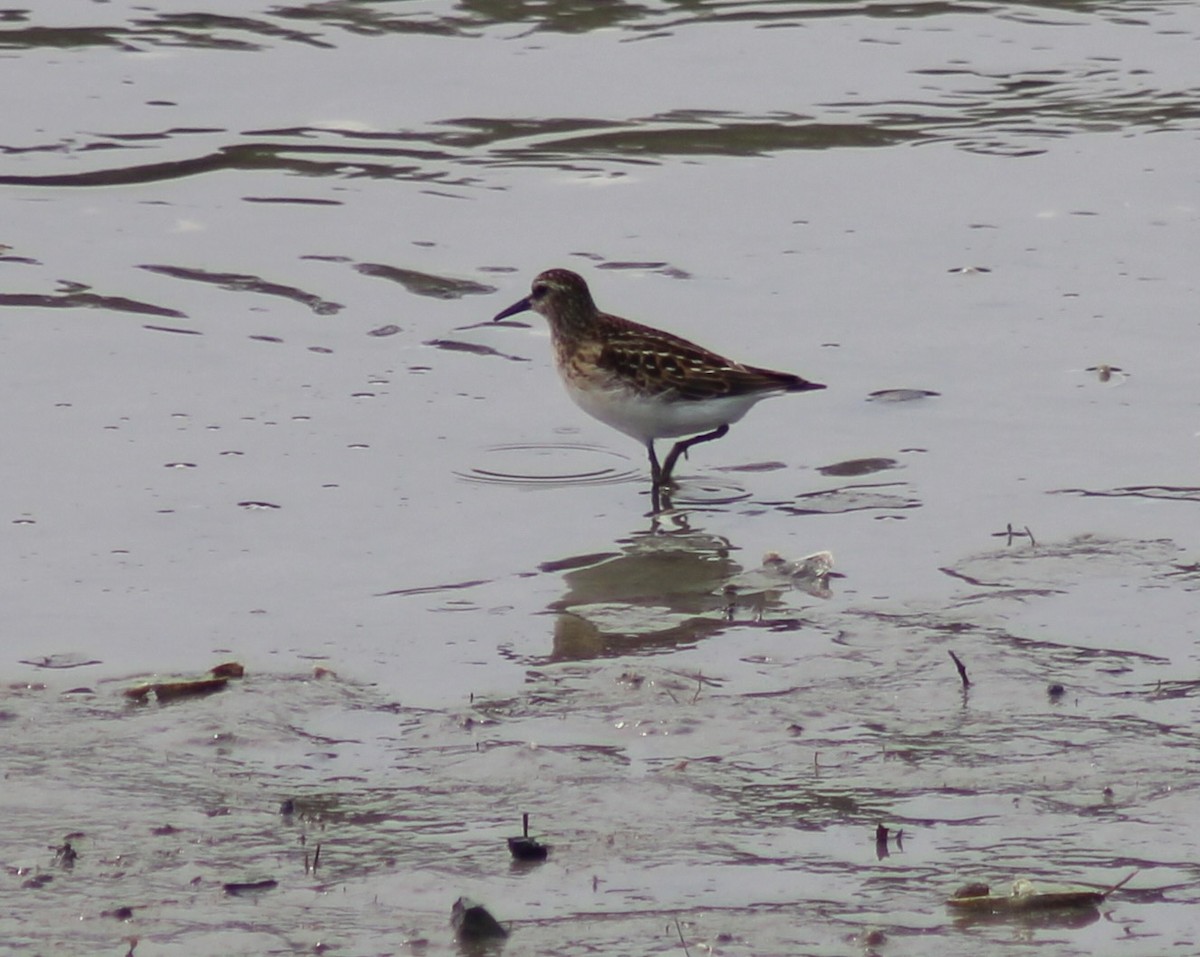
[642, 381]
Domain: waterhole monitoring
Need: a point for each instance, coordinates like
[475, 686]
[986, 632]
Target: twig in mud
[1010, 533]
[699, 685]
[962, 670]
[683, 943]
[316, 858]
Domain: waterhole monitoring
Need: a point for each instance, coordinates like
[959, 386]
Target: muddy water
[257, 412]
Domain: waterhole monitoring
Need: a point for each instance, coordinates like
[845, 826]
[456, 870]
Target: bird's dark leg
[681, 449]
[655, 468]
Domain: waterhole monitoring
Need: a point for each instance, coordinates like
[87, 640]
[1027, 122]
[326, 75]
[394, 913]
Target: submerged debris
[856, 467]
[757, 586]
[811, 568]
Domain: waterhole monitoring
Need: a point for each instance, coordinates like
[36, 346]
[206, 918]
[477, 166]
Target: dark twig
[1010, 533]
[679, 931]
[962, 670]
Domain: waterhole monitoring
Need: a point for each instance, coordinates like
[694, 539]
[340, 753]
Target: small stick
[962, 670]
[525, 824]
[1010, 533]
[1121, 883]
[316, 857]
[699, 684]
[679, 931]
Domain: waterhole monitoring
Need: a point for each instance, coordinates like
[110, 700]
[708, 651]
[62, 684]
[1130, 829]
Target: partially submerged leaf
[169, 690]
[1027, 895]
[216, 680]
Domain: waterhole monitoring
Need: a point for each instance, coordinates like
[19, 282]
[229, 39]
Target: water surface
[258, 412]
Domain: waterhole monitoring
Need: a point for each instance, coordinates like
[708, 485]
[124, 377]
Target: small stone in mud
[1055, 691]
[473, 922]
[119, 913]
[287, 807]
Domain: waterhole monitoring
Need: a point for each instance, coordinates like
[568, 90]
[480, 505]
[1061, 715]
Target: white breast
[650, 417]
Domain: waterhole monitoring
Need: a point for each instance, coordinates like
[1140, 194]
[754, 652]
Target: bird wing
[660, 363]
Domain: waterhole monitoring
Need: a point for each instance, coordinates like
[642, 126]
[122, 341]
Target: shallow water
[260, 412]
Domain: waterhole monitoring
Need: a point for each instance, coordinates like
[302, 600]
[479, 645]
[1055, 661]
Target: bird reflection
[669, 586]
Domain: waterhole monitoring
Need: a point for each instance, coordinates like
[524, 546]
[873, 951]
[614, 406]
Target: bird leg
[655, 468]
[664, 474]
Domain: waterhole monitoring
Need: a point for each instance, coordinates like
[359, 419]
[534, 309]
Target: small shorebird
[644, 382]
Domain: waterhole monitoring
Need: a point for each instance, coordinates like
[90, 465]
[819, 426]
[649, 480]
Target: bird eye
[538, 291]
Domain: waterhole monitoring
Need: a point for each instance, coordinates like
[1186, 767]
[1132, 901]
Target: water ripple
[551, 466]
